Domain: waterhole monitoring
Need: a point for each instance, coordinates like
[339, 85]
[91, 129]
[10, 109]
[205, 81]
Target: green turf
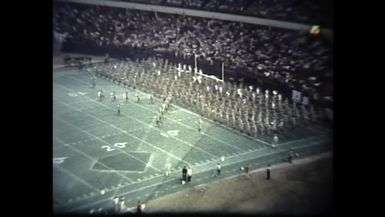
[110, 152]
[122, 162]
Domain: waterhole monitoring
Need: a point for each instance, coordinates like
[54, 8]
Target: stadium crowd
[304, 11]
[293, 58]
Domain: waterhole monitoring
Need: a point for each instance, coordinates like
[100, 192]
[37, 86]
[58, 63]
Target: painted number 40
[117, 145]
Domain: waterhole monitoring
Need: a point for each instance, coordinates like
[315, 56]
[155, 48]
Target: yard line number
[59, 160]
[76, 94]
[170, 133]
[117, 145]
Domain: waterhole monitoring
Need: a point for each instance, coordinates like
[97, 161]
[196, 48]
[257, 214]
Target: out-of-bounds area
[302, 188]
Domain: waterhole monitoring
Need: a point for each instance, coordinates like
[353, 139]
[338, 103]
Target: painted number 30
[117, 145]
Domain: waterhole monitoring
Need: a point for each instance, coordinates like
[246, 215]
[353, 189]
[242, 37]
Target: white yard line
[93, 159]
[94, 136]
[145, 108]
[257, 151]
[138, 120]
[214, 138]
[69, 173]
[261, 141]
[281, 165]
[210, 168]
[180, 109]
[154, 111]
[237, 155]
[145, 137]
[127, 133]
[149, 186]
[122, 194]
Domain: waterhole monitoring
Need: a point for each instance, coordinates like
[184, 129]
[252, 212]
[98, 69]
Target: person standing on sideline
[157, 120]
[247, 167]
[151, 100]
[93, 81]
[118, 109]
[125, 96]
[140, 207]
[184, 174]
[167, 169]
[122, 204]
[116, 203]
[113, 96]
[268, 172]
[100, 94]
[291, 154]
[189, 174]
[218, 169]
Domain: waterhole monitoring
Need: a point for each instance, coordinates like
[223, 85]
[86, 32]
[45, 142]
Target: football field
[99, 154]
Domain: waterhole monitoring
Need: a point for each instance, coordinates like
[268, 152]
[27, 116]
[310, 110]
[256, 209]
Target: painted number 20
[118, 145]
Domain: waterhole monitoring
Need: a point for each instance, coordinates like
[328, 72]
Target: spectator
[229, 42]
[189, 174]
[140, 207]
[289, 58]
